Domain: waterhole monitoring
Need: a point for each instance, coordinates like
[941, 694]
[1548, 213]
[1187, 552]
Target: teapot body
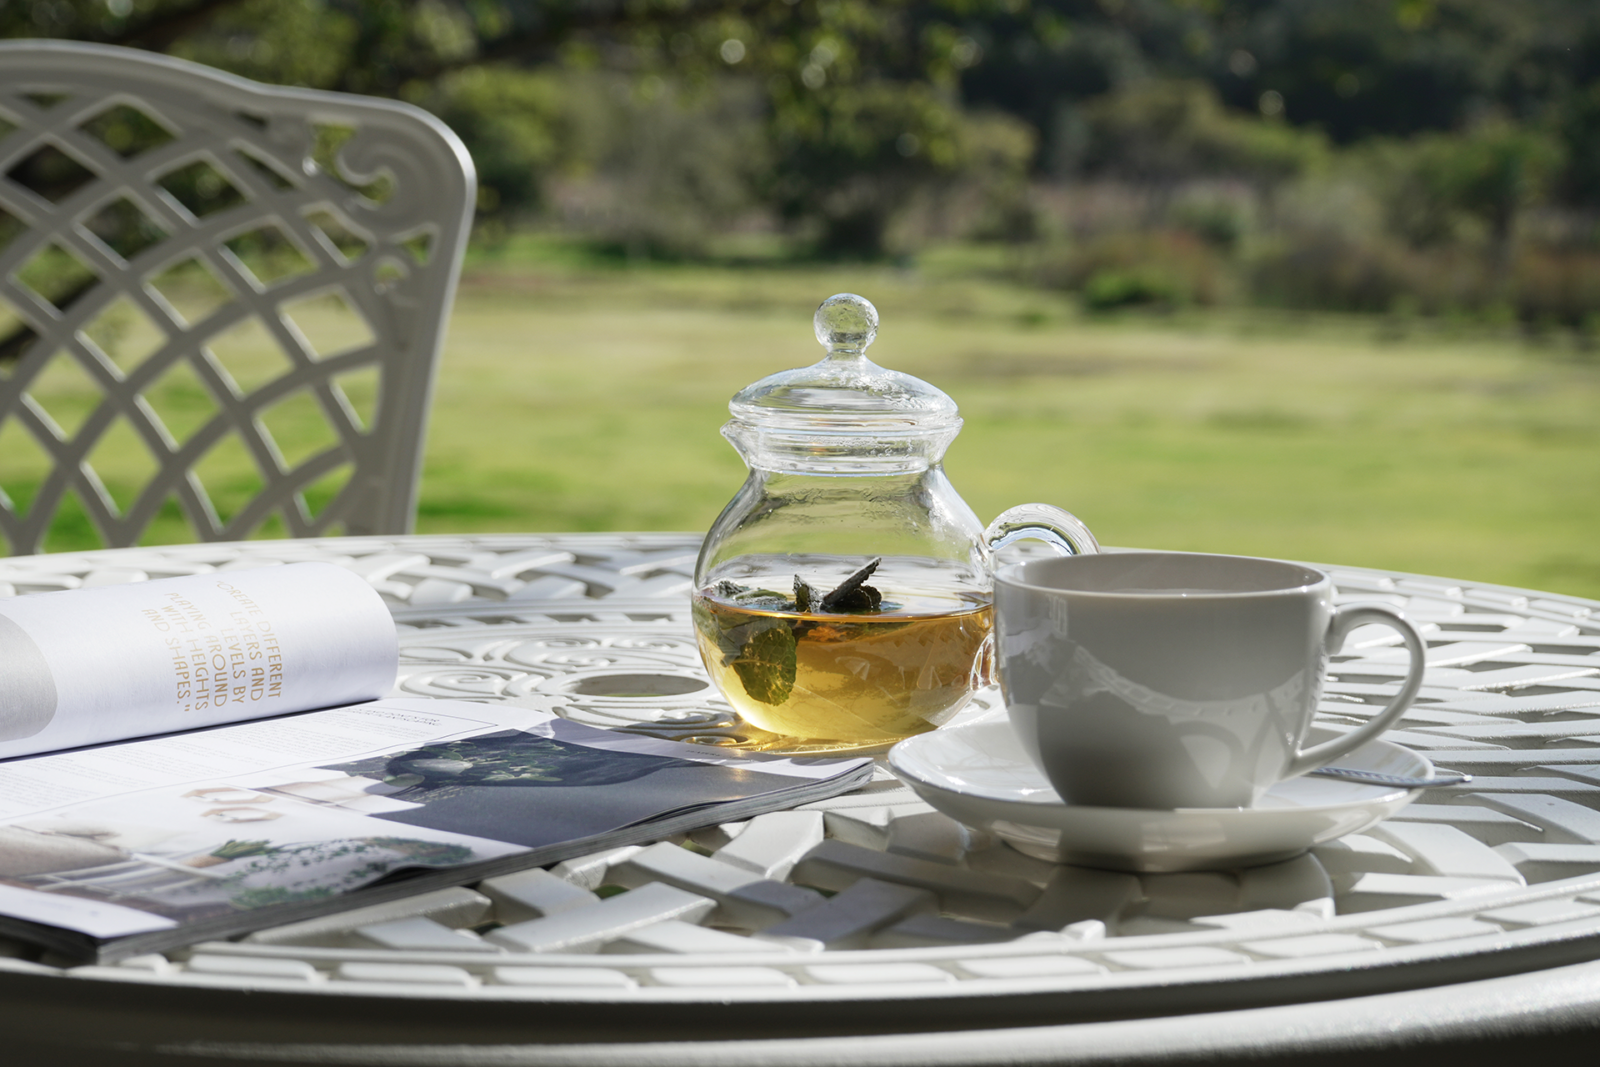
[842, 599]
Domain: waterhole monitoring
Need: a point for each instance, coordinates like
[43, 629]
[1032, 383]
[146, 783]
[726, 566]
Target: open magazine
[122, 848]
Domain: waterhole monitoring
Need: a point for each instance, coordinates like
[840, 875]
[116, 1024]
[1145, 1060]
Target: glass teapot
[842, 598]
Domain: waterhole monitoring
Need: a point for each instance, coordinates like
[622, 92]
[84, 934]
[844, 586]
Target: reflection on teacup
[1171, 680]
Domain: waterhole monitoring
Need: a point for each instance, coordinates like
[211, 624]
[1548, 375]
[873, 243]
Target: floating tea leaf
[764, 599]
[853, 594]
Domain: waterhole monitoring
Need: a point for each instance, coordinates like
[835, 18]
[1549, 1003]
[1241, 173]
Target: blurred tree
[1579, 126]
[864, 114]
[1359, 68]
[1486, 175]
[512, 120]
[380, 47]
[867, 99]
[849, 160]
[860, 94]
[1494, 171]
[1355, 69]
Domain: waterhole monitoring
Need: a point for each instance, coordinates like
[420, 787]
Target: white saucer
[980, 776]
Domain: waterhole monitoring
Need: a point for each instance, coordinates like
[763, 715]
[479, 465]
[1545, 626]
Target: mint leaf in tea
[766, 664]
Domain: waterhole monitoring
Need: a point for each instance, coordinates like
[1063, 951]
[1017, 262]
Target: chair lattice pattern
[218, 300]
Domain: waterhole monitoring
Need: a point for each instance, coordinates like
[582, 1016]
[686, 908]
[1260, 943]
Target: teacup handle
[1041, 522]
[1345, 620]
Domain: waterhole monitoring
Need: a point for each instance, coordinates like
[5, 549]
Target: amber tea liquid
[824, 682]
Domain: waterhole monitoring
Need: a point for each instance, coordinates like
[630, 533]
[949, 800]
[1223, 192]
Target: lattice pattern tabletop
[1499, 876]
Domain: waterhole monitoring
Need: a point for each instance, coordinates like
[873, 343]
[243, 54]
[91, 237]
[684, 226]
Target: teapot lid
[843, 414]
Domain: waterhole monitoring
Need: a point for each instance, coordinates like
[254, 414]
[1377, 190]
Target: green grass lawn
[582, 396]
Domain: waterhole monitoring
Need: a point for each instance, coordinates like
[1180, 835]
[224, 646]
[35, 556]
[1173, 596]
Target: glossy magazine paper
[127, 848]
[88, 665]
[121, 848]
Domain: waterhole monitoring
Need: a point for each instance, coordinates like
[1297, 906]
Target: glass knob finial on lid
[842, 598]
[846, 323]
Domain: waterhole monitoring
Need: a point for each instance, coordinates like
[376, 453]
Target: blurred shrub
[1341, 271]
[1333, 269]
[1557, 288]
[1160, 269]
[1219, 216]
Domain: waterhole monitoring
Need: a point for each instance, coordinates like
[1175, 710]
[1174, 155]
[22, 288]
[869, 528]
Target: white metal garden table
[1469, 924]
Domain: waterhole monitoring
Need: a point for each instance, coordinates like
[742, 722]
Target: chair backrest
[220, 301]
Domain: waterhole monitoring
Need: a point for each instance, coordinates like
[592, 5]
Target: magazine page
[167, 832]
[144, 835]
[181, 761]
[84, 666]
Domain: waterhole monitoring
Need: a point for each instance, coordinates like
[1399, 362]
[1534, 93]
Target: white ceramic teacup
[1176, 680]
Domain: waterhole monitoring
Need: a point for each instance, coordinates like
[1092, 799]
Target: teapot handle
[1041, 522]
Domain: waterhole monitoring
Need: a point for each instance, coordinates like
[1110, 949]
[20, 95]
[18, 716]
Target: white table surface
[1436, 921]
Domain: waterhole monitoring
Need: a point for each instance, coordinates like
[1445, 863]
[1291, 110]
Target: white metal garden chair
[194, 265]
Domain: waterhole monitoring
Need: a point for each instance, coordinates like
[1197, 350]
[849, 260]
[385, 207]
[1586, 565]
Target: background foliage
[1433, 155]
[1111, 228]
